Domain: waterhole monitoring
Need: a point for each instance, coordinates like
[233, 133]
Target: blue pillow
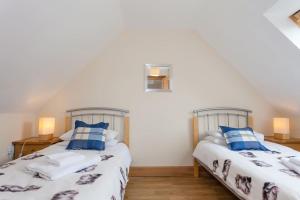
[227, 128]
[79, 123]
[239, 139]
[88, 136]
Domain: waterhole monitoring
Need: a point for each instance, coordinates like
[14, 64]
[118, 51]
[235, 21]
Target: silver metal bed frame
[97, 114]
[211, 119]
[227, 112]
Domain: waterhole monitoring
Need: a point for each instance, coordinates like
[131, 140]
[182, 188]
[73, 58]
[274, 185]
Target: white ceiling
[240, 32]
[46, 43]
[277, 16]
[43, 44]
[164, 14]
[262, 54]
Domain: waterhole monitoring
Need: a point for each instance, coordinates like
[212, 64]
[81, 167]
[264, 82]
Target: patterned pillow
[88, 136]
[241, 139]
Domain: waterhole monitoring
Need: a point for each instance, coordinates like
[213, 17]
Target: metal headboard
[212, 118]
[208, 119]
[97, 114]
[118, 119]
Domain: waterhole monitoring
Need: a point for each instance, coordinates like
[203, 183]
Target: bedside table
[32, 145]
[293, 143]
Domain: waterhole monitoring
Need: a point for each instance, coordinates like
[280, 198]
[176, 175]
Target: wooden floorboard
[176, 188]
[162, 171]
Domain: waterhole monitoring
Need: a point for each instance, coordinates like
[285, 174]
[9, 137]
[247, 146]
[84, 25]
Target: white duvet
[253, 175]
[104, 181]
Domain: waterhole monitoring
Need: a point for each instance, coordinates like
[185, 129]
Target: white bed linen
[64, 159]
[48, 171]
[109, 176]
[243, 171]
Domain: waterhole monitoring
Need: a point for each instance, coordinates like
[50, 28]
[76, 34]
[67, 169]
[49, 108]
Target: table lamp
[281, 127]
[46, 128]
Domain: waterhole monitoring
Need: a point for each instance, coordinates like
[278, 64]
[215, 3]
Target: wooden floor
[176, 188]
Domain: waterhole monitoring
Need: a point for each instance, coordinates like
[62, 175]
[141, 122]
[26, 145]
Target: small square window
[296, 17]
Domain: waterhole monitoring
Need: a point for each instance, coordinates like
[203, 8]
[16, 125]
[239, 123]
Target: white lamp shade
[281, 125]
[46, 125]
[154, 71]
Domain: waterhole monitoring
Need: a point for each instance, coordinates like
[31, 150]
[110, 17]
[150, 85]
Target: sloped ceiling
[45, 44]
[239, 31]
[262, 54]
[277, 15]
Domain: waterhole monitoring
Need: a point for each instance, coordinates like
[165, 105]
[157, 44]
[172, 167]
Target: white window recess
[283, 15]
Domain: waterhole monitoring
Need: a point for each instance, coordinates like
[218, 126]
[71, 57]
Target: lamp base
[281, 136]
[45, 137]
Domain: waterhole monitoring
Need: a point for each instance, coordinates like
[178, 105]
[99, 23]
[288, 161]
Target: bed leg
[196, 169]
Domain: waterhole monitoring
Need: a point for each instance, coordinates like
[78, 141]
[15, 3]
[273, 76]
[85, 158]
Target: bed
[251, 175]
[105, 180]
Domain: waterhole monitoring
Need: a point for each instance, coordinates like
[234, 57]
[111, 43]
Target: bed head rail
[209, 119]
[118, 119]
[214, 117]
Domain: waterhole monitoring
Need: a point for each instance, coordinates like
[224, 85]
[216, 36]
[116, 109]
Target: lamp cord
[24, 143]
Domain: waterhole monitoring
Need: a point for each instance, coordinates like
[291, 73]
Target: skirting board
[170, 171]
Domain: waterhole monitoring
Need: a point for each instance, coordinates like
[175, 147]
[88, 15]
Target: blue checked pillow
[88, 136]
[241, 139]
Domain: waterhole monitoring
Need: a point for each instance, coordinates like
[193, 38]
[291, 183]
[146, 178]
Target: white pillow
[260, 137]
[110, 134]
[216, 140]
[67, 135]
[217, 134]
[111, 143]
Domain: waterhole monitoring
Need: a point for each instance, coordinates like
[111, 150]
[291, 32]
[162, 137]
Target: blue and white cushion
[241, 139]
[88, 136]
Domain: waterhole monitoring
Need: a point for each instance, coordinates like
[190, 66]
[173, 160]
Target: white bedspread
[253, 175]
[104, 181]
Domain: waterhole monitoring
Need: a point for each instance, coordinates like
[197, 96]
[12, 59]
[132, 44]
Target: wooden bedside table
[32, 145]
[293, 143]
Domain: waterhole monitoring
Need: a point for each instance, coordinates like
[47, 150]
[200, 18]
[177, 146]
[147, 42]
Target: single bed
[251, 175]
[105, 180]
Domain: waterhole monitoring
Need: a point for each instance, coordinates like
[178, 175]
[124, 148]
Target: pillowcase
[215, 134]
[79, 123]
[67, 135]
[110, 134]
[88, 136]
[225, 129]
[111, 143]
[260, 137]
[241, 139]
[216, 140]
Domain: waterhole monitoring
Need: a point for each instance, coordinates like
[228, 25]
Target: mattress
[251, 175]
[106, 180]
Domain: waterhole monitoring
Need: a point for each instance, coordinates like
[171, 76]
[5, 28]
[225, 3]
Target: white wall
[279, 14]
[14, 127]
[160, 122]
[296, 128]
[294, 125]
